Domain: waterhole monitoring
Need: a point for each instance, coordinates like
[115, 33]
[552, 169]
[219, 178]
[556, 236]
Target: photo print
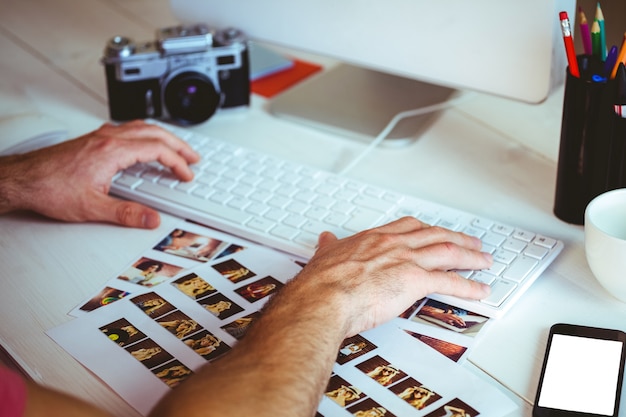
[406, 314]
[454, 408]
[342, 392]
[220, 306]
[149, 353]
[259, 289]
[233, 271]
[450, 350]
[414, 393]
[191, 245]
[238, 327]
[230, 250]
[369, 408]
[172, 373]
[106, 296]
[194, 286]
[353, 347]
[152, 304]
[207, 345]
[381, 371]
[450, 317]
[178, 324]
[149, 272]
[122, 332]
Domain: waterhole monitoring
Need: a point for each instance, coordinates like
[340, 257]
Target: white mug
[605, 240]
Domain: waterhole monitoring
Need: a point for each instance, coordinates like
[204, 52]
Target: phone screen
[582, 374]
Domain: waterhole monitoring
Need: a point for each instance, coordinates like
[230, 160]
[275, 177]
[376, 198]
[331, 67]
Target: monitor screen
[508, 48]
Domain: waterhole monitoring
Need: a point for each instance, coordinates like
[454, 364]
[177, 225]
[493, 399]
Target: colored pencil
[595, 38]
[611, 58]
[569, 45]
[621, 57]
[585, 33]
[600, 20]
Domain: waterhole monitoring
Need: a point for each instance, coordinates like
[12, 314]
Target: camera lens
[191, 98]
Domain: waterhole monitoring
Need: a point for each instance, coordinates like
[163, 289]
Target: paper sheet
[146, 342]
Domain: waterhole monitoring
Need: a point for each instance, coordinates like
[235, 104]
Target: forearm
[280, 368]
[50, 403]
[10, 179]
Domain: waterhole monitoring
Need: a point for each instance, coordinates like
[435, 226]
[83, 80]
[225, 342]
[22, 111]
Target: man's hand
[70, 181]
[379, 273]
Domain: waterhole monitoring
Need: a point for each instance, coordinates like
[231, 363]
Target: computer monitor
[400, 54]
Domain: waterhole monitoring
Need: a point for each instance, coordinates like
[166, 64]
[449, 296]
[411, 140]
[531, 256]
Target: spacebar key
[195, 203]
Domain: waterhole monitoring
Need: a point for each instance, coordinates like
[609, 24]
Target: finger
[138, 129]
[122, 212]
[405, 224]
[154, 150]
[435, 235]
[326, 238]
[133, 214]
[451, 283]
[446, 256]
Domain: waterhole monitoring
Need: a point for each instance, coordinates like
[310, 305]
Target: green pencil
[595, 39]
[600, 20]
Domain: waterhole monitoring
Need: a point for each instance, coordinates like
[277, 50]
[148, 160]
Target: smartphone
[582, 372]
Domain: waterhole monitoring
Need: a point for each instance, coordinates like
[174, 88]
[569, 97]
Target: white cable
[394, 121]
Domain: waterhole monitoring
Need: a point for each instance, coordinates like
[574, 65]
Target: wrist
[10, 193]
[311, 299]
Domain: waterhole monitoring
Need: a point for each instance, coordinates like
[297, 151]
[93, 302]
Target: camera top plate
[184, 39]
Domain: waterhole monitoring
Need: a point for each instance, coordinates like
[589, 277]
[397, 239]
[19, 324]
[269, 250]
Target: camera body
[184, 76]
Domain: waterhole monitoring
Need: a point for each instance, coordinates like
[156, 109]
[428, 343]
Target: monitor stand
[359, 103]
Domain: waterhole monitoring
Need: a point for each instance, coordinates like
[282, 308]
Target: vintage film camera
[183, 76]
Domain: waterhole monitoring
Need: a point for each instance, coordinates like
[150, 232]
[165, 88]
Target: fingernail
[150, 220]
[488, 257]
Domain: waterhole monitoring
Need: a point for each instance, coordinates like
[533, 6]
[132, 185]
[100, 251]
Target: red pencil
[569, 45]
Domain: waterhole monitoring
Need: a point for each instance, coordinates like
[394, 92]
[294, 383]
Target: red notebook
[275, 83]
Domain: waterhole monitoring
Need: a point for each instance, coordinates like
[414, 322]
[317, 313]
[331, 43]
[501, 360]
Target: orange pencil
[621, 57]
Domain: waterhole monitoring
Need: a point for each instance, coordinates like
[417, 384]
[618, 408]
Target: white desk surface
[489, 156]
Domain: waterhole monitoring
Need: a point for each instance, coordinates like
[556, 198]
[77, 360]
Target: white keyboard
[286, 206]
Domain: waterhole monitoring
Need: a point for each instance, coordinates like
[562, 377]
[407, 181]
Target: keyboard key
[493, 239]
[178, 197]
[520, 268]
[257, 209]
[128, 181]
[524, 235]
[275, 214]
[307, 239]
[500, 290]
[546, 242]
[502, 229]
[514, 245]
[482, 223]
[373, 203]
[483, 277]
[261, 224]
[536, 251]
[496, 268]
[294, 220]
[362, 219]
[285, 232]
[449, 224]
[504, 256]
[336, 219]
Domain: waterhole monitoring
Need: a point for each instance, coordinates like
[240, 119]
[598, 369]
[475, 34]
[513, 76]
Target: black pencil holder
[592, 148]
